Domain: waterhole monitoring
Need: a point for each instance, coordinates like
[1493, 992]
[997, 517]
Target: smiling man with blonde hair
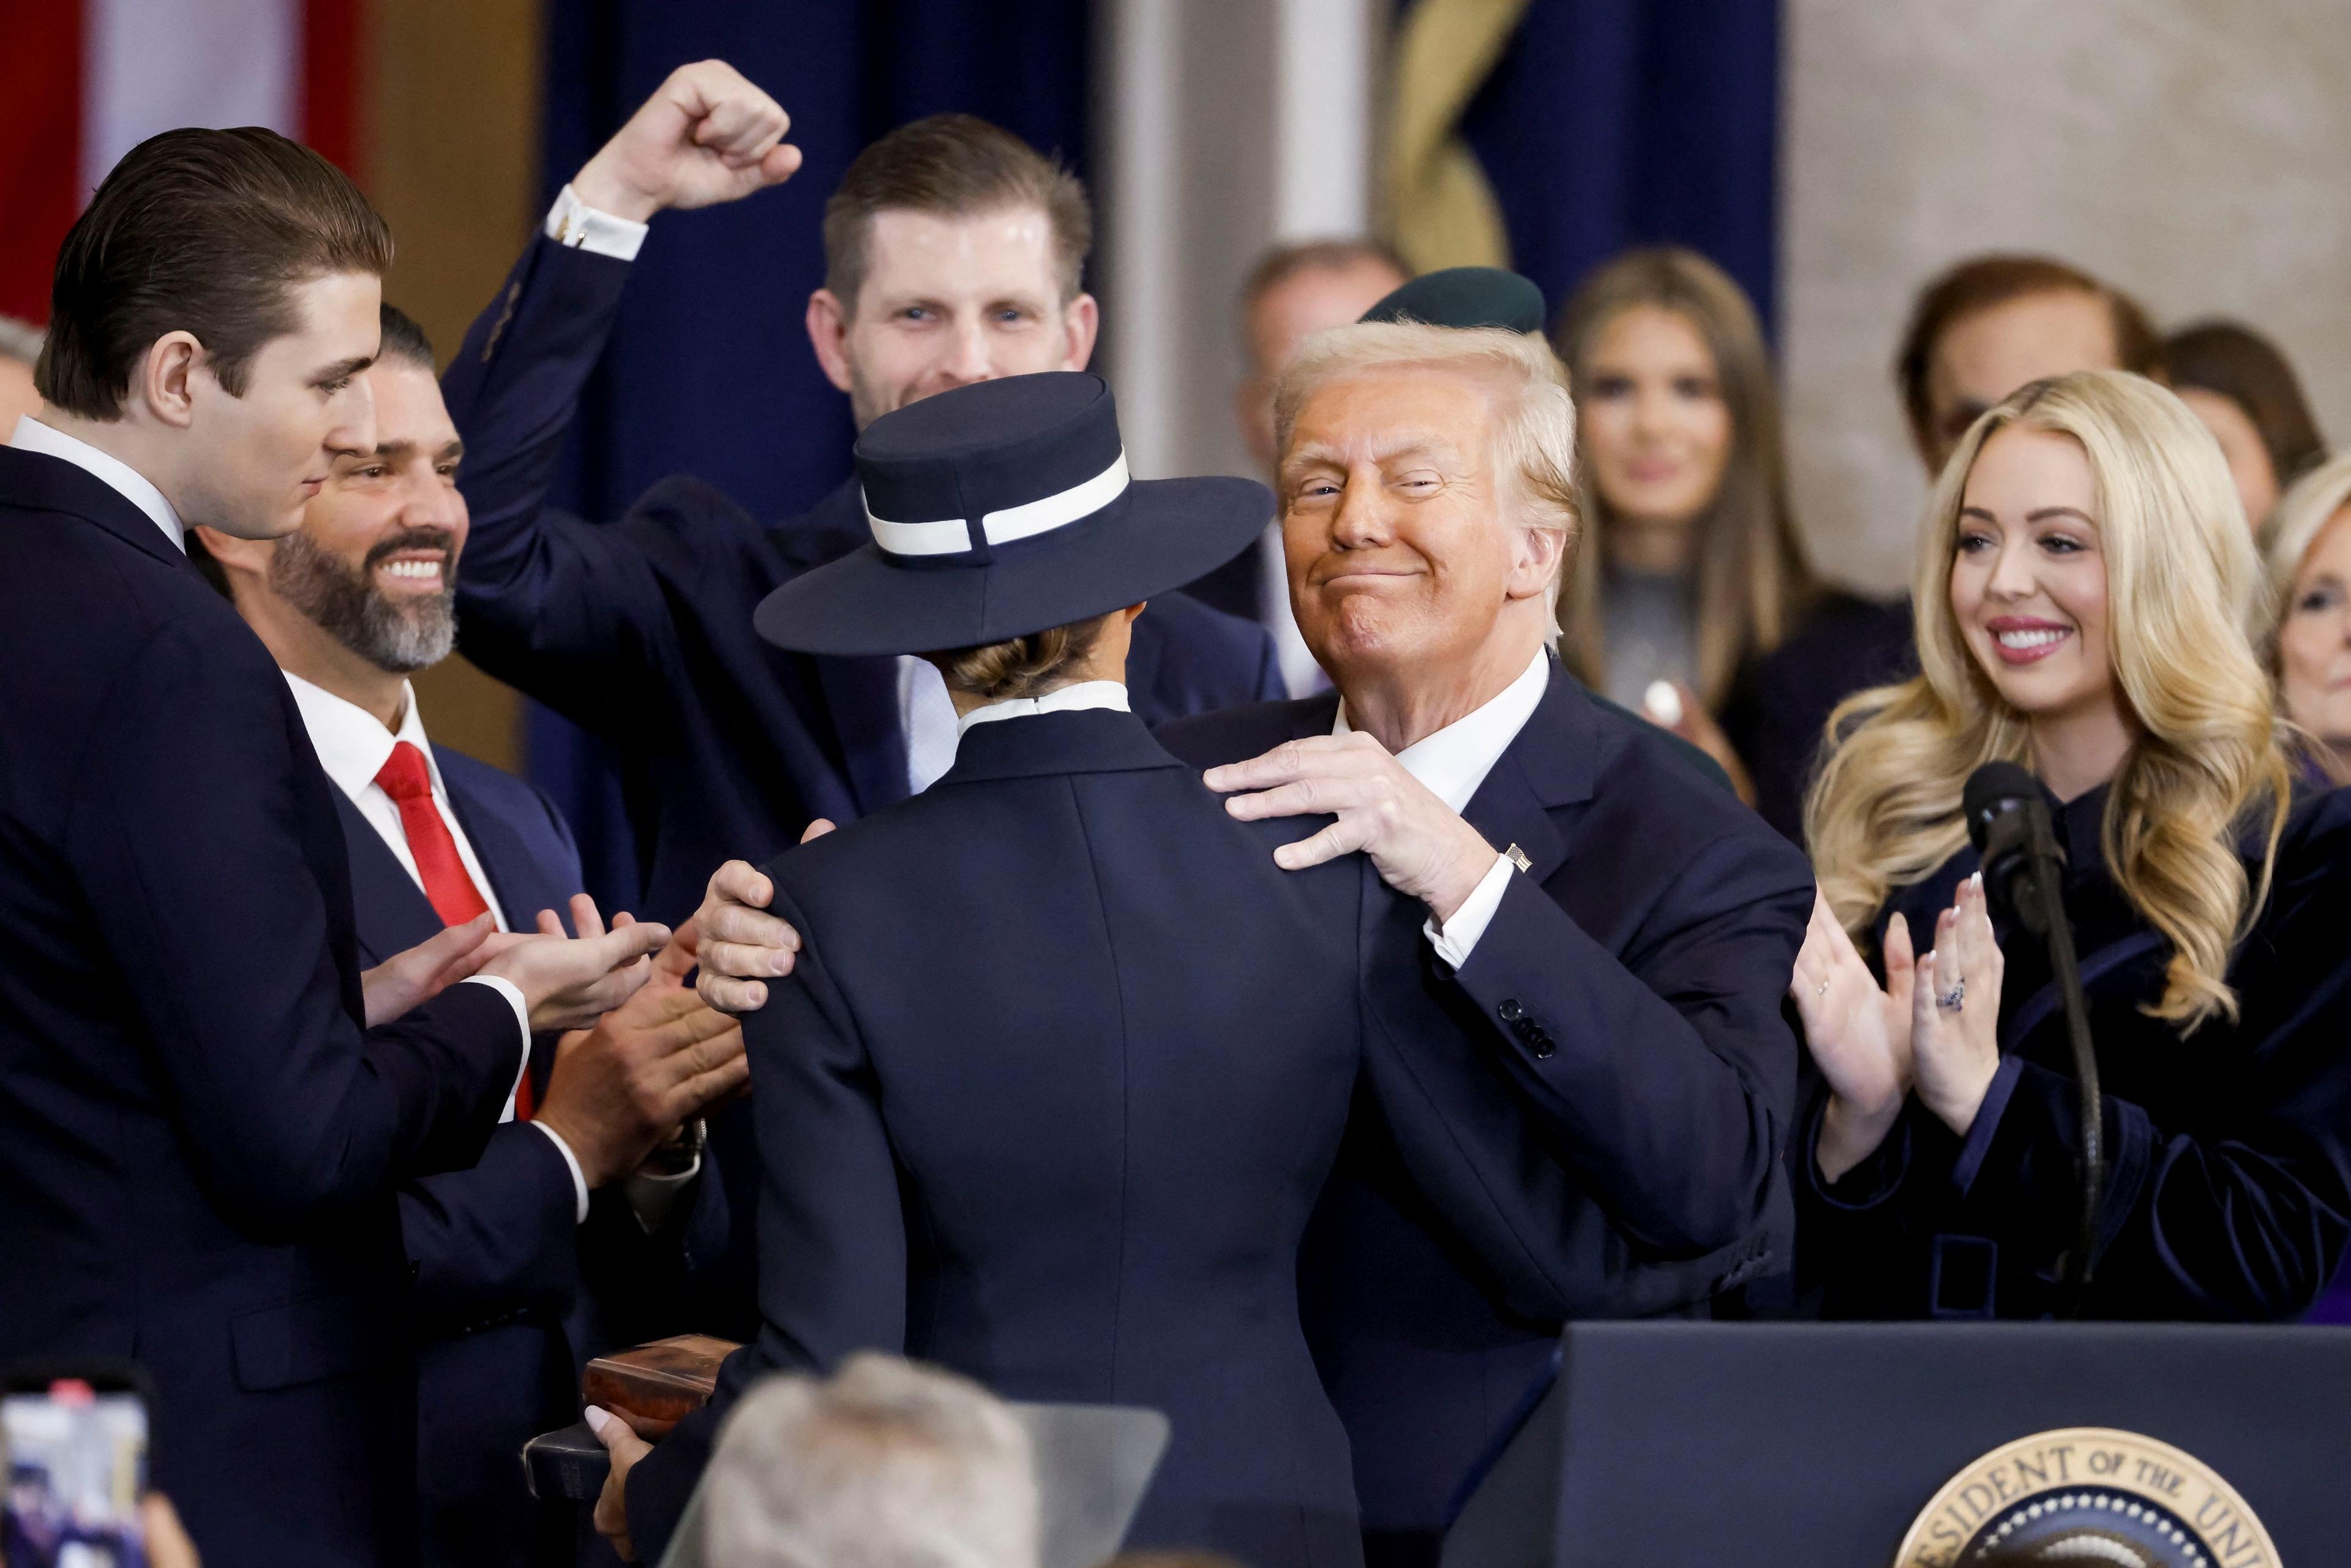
[1603, 922]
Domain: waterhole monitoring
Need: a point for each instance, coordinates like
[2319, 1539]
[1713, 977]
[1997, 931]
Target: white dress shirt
[1452, 763]
[1073, 699]
[926, 717]
[572, 222]
[353, 747]
[32, 435]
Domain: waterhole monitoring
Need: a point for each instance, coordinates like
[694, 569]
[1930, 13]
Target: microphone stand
[2043, 912]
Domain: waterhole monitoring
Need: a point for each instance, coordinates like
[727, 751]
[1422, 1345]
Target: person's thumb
[620, 1439]
[780, 163]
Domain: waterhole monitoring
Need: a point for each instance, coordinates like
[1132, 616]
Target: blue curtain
[1610, 124]
[710, 370]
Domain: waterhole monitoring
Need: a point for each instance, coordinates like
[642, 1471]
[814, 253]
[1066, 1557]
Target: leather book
[655, 1386]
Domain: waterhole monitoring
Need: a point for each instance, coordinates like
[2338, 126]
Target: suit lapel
[517, 879]
[392, 911]
[1507, 810]
[1549, 762]
[37, 480]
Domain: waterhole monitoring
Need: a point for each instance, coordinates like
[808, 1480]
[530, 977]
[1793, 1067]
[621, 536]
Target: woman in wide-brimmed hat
[1065, 1056]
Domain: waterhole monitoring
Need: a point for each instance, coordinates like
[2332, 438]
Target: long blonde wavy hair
[2184, 596]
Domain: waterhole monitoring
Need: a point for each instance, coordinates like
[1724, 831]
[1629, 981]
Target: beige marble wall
[2196, 151]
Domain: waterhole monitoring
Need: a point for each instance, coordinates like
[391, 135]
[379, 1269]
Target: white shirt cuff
[654, 1198]
[1458, 936]
[572, 222]
[579, 1177]
[513, 993]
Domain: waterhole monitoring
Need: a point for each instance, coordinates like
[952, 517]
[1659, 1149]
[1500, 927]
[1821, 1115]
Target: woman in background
[2306, 543]
[2083, 593]
[1692, 567]
[2241, 387]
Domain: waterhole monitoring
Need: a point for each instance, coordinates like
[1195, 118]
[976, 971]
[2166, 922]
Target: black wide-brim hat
[1001, 510]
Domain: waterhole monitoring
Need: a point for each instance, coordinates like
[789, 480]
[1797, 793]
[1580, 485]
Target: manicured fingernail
[598, 1420]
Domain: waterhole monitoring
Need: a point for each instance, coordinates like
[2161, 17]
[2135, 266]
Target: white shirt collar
[1065, 699]
[1454, 761]
[32, 435]
[352, 743]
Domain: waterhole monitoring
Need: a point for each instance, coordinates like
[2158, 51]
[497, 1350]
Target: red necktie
[453, 896]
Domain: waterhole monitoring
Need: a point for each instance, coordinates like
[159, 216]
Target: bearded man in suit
[589, 1199]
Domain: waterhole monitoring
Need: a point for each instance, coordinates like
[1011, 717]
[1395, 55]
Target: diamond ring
[1949, 1000]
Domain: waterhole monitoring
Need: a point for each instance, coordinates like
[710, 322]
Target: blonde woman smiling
[2084, 591]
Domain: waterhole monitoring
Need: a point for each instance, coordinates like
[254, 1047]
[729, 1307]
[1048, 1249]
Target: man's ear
[1082, 319]
[1539, 549]
[828, 330]
[163, 384]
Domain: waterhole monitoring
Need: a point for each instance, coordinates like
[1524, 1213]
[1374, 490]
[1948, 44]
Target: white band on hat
[951, 536]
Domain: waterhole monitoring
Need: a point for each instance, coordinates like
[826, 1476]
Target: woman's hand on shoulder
[1858, 1032]
[1955, 1014]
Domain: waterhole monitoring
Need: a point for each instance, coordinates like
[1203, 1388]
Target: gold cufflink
[1517, 857]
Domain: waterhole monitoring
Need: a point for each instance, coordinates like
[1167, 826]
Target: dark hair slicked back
[206, 232]
[403, 339]
[953, 165]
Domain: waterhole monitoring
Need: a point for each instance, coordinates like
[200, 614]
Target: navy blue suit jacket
[1628, 990]
[513, 1293]
[640, 632]
[200, 1141]
[1158, 1042]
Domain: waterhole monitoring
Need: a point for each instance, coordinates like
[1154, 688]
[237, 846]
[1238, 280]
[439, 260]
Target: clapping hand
[425, 970]
[1859, 1033]
[570, 983]
[1955, 1011]
[620, 1090]
[707, 136]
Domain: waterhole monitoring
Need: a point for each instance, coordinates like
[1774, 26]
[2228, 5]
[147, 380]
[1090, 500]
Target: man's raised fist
[707, 136]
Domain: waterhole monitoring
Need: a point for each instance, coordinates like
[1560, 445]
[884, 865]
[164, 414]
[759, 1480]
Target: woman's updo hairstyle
[1022, 666]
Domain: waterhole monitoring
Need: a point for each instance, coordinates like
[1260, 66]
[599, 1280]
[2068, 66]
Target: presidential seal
[2087, 1497]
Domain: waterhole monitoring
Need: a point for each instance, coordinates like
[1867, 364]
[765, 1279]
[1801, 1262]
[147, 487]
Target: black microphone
[2009, 823]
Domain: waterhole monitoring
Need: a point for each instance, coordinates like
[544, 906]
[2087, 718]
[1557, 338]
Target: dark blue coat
[2228, 1195]
[504, 1324]
[1645, 957]
[198, 1140]
[640, 631]
[1059, 1121]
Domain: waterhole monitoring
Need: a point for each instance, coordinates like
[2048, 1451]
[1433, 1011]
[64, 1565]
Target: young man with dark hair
[205, 1105]
[954, 252]
[518, 1269]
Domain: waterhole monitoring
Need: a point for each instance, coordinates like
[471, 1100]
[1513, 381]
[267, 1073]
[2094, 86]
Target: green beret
[1466, 296]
